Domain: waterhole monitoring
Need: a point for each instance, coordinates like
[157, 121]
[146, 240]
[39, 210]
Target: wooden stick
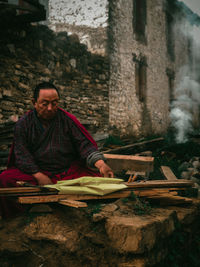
[73, 203]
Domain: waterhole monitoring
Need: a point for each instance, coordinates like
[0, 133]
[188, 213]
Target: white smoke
[185, 107]
[187, 98]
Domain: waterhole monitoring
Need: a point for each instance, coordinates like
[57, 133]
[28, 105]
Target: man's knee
[8, 178]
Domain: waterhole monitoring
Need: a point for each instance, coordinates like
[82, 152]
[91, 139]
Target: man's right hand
[42, 179]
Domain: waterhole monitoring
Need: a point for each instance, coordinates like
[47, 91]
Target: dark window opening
[170, 13]
[141, 79]
[171, 78]
[139, 19]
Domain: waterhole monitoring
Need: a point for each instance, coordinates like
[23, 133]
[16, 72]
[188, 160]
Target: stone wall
[35, 54]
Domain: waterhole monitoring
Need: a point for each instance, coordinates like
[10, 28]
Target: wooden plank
[73, 203]
[15, 190]
[168, 173]
[161, 183]
[127, 162]
[56, 198]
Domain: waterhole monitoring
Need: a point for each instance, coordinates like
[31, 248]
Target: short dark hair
[44, 85]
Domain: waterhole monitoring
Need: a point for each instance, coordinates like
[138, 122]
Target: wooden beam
[167, 172]
[125, 162]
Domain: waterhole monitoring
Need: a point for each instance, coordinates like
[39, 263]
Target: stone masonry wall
[126, 111]
[35, 54]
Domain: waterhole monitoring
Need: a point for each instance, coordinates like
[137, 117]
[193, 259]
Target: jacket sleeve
[23, 158]
[86, 149]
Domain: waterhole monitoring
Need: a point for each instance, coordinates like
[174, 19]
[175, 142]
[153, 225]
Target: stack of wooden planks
[162, 190]
[165, 192]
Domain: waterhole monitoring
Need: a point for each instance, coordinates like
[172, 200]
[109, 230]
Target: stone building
[147, 44]
[116, 62]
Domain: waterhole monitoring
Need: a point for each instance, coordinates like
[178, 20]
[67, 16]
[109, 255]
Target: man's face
[47, 103]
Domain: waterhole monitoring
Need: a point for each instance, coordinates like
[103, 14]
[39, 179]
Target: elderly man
[50, 144]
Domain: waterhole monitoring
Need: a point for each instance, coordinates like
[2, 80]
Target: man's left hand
[104, 169]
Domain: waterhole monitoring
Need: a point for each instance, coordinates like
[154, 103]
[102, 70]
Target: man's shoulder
[67, 116]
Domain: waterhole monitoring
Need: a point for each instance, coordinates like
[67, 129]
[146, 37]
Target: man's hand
[42, 179]
[104, 169]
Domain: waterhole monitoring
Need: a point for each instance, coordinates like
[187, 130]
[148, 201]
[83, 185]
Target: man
[50, 145]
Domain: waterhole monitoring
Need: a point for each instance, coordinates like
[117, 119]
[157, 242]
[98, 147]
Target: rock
[139, 233]
[97, 217]
[196, 164]
[73, 62]
[53, 229]
[46, 71]
[195, 180]
[23, 86]
[86, 81]
[109, 208]
[185, 175]
[7, 93]
[184, 166]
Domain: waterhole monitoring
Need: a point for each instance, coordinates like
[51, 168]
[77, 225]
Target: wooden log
[167, 172]
[73, 203]
[126, 162]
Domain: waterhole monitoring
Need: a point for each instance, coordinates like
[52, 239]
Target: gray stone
[73, 62]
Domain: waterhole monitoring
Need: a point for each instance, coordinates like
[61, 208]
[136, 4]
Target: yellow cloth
[89, 186]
